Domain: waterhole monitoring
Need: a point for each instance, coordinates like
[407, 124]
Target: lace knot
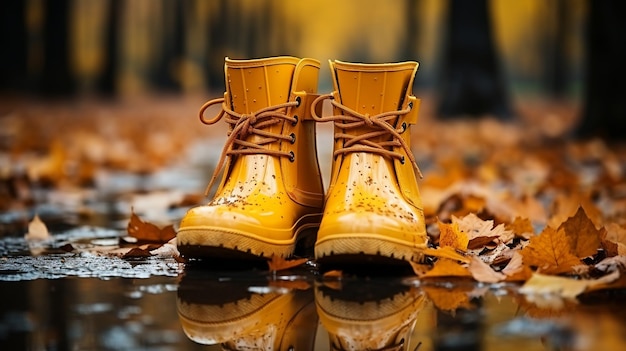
[368, 120]
[247, 122]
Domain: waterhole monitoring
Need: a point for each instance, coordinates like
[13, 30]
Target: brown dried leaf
[147, 231]
[582, 235]
[277, 263]
[550, 252]
[333, 274]
[614, 239]
[37, 230]
[483, 272]
[137, 253]
[475, 227]
[480, 242]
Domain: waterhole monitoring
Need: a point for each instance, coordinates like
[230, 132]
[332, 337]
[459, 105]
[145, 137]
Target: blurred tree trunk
[471, 82]
[604, 111]
[107, 82]
[13, 39]
[56, 77]
[556, 49]
[216, 50]
[409, 51]
[168, 60]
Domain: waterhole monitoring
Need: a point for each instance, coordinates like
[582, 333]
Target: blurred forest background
[478, 56]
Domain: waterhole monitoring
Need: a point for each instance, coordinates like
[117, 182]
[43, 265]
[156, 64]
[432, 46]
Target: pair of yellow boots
[271, 196]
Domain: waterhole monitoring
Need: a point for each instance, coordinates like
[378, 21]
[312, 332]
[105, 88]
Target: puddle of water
[66, 301]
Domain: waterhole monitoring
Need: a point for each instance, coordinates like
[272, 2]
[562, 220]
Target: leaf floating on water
[567, 288]
[37, 230]
[147, 231]
[280, 264]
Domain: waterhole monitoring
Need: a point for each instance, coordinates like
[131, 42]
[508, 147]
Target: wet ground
[74, 292]
[55, 298]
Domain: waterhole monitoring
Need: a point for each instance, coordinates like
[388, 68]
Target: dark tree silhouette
[555, 49]
[107, 80]
[471, 81]
[172, 46]
[56, 77]
[13, 41]
[604, 111]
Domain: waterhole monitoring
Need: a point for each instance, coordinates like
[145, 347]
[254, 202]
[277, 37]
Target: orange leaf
[550, 252]
[446, 252]
[582, 235]
[521, 227]
[418, 268]
[447, 268]
[147, 231]
[614, 239]
[280, 264]
[451, 236]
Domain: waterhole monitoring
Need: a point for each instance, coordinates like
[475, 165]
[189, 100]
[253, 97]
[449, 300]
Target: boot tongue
[373, 88]
[255, 84]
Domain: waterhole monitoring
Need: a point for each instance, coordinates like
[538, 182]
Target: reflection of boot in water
[366, 315]
[229, 312]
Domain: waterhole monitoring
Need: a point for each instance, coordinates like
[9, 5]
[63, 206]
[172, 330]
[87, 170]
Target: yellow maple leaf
[451, 236]
[550, 252]
[582, 234]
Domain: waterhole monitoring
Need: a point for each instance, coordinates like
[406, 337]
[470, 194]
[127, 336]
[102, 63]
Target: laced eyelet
[403, 127]
[298, 101]
[296, 120]
[402, 160]
[410, 105]
[292, 156]
[293, 138]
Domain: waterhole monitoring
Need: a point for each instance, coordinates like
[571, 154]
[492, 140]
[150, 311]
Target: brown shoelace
[362, 142]
[243, 125]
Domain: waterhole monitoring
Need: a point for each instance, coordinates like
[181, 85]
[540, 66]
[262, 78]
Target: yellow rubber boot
[271, 192]
[373, 210]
